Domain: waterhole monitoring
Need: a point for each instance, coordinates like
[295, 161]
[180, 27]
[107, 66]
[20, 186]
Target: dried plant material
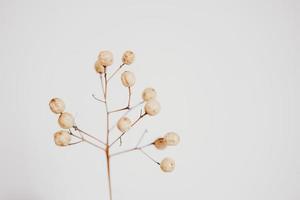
[124, 124]
[167, 165]
[128, 57]
[99, 67]
[105, 58]
[62, 138]
[57, 105]
[66, 120]
[152, 107]
[172, 138]
[149, 94]
[160, 143]
[128, 79]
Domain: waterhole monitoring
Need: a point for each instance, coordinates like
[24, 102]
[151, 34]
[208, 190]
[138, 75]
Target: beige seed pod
[124, 124]
[172, 138]
[167, 165]
[148, 94]
[160, 143]
[128, 57]
[66, 120]
[152, 107]
[62, 138]
[57, 105]
[128, 79]
[105, 58]
[99, 67]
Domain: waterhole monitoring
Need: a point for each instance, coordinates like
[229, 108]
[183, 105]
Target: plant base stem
[108, 173]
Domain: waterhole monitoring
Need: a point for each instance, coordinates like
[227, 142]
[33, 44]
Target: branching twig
[97, 99]
[126, 113]
[129, 150]
[136, 121]
[116, 71]
[147, 155]
[128, 104]
[91, 136]
[141, 138]
[87, 141]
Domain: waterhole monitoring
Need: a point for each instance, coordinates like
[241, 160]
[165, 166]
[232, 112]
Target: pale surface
[227, 78]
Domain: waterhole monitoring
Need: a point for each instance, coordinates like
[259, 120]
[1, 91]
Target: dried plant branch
[134, 123]
[102, 84]
[128, 104]
[151, 108]
[118, 110]
[130, 150]
[126, 113]
[147, 155]
[116, 71]
[129, 97]
[87, 141]
[141, 138]
[91, 136]
[107, 153]
[97, 99]
[75, 143]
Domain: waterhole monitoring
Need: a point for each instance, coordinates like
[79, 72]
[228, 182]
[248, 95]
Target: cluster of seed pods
[152, 107]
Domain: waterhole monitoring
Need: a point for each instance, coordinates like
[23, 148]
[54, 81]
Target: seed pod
[124, 124]
[57, 105]
[160, 143]
[152, 107]
[66, 120]
[167, 165]
[148, 94]
[62, 138]
[128, 57]
[172, 138]
[99, 67]
[105, 58]
[128, 79]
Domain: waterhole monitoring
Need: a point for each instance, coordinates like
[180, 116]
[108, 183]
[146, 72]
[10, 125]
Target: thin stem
[87, 141]
[108, 173]
[147, 155]
[102, 84]
[126, 113]
[141, 138]
[97, 99]
[128, 104]
[136, 121]
[116, 71]
[75, 143]
[91, 136]
[130, 150]
[129, 97]
[107, 137]
[117, 110]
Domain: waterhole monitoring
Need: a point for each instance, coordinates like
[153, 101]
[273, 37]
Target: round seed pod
[66, 120]
[105, 58]
[128, 79]
[62, 138]
[152, 107]
[57, 105]
[172, 138]
[148, 94]
[167, 165]
[160, 143]
[124, 124]
[99, 67]
[128, 57]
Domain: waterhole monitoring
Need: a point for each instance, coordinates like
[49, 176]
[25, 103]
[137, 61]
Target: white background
[227, 76]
